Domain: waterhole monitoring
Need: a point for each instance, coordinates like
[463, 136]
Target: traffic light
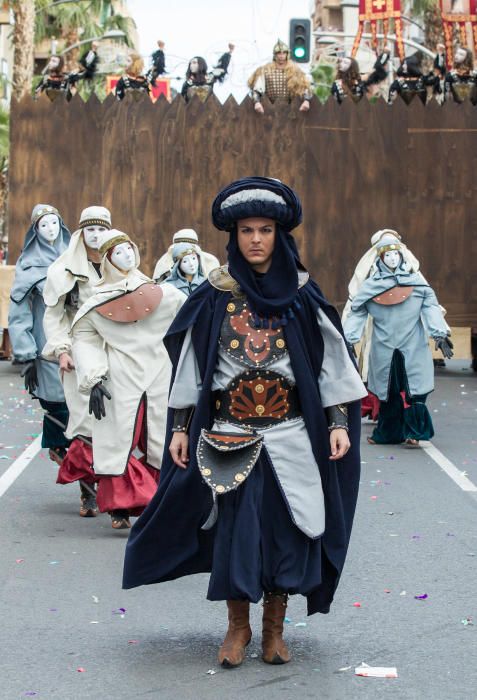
[300, 33]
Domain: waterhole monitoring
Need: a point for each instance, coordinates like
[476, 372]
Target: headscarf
[37, 254]
[271, 295]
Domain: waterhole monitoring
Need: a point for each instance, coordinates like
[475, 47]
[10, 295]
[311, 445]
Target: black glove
[96, 401]
[445, 345]
[30, 374]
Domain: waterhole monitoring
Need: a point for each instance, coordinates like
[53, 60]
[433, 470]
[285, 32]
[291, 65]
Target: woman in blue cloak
[45, 241]
[260, 484]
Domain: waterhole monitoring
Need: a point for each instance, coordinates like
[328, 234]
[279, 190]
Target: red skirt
[130, 491]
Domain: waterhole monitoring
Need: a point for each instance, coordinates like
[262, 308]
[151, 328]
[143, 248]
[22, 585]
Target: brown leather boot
[239, 634]
[274, 650]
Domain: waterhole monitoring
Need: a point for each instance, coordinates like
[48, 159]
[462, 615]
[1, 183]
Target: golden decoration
[280, 343]
[206, 472]
[259, 388]
[217, 404]
[234, 344]
[239, 477]
[260, 409]
[230, 307]
[219, 488]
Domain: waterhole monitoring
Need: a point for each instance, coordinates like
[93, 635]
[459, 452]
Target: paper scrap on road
[376, 671]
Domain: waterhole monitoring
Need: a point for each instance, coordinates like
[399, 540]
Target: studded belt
[258, 399]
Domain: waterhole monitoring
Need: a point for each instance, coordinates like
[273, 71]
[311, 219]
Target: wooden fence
[358, 168]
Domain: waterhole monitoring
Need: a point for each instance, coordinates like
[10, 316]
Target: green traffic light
[299, 52]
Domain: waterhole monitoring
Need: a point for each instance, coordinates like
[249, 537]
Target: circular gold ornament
[219, 488]
[230, 307]
[260, 409]
[259, 388]
[206, 472]
[217, 404]
[280, 343]
[234, 344]
[239, 477]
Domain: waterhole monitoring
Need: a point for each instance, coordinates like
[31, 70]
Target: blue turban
[272, 295]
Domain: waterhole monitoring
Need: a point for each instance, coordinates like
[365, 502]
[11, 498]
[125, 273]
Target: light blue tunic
[27, 308]
[405, 326]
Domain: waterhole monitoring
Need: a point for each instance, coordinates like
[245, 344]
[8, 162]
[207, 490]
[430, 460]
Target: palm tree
[429, 12]
[92, 17]
[23, 43]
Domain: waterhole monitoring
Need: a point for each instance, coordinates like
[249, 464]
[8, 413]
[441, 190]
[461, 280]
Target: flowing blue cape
[166, 542]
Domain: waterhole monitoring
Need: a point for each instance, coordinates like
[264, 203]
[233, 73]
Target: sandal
[410, 442]
[370, 441]
[120, 520]
[88, 507]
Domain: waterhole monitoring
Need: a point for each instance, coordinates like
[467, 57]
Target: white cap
[185, 235]
[95, 216]
[376, 237]
[108, 239]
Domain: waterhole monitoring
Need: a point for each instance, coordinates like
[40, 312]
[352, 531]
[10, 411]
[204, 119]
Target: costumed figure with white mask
[411, 81]
[461, 82]
[45, 240]
[405, 312]
[281, 79]
[348, 81]
[54, 81]
[377, 79]
[186, 274]
[133, 79]
[260, 484]
[69, 283]
[200, 81]
[365, 267]
[119, 356]
[164, 265]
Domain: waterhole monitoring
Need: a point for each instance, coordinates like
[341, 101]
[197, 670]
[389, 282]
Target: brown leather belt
[259, 399]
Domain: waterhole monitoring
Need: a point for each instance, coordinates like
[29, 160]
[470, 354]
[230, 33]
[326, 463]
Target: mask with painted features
[123, 257]
[189, 264]
[92, 236]
[392, 259]
[48, 227]
[344, 64]
[460, 55]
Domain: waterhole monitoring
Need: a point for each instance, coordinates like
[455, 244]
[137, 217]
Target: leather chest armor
[252, 347]
[132, 306]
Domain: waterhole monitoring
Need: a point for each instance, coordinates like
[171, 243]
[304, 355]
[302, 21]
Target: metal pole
[391, 37]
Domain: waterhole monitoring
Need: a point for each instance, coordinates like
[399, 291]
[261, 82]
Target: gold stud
[219, 488]
[128, 308]
[147, 309]
[110, 314]
[230, 307]
[280, 343]
[259, 388]
[239, 478]
[206, 472]
[260, 409]
[234, 344]
[217, 404]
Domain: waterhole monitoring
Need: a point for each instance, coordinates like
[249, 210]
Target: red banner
[382, 11]
[460, 13]
[162, 87]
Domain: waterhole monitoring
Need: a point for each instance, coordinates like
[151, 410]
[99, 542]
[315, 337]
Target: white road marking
[450, 469]
[21, 463]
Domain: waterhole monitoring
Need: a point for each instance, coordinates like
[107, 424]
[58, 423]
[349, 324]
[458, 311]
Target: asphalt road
[64, 636]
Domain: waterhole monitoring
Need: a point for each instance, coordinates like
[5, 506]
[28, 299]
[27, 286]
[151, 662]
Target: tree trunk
[23, 46]
[71, 57]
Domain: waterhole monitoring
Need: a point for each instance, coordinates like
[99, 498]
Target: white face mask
[392, 258]
[53, 63]
[344, 64]
[91, 236]
[48, 227]
[194, 66]
[189, 264]
[460, 55]
[123, 257]
[128, 61]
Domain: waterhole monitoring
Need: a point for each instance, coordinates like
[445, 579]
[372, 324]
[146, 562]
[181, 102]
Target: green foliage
[323, 76]
[4, 138]
[420, 7]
